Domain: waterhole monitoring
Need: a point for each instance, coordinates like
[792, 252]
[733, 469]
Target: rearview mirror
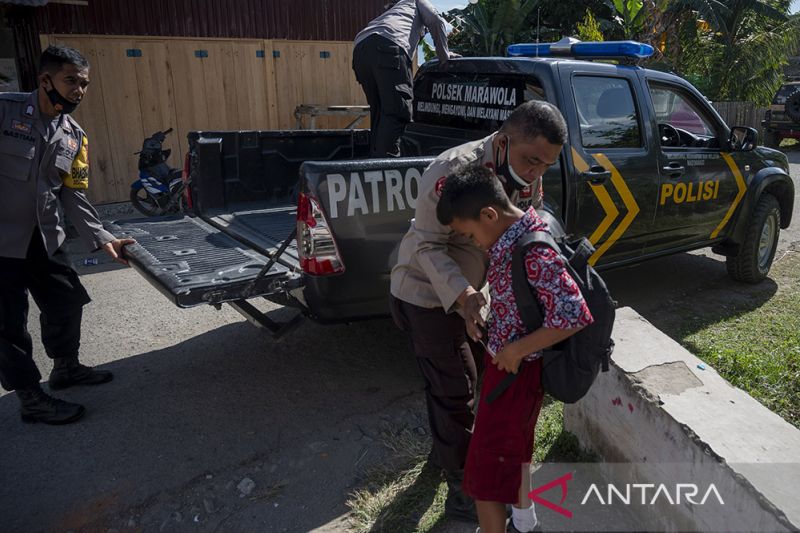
[742, 139]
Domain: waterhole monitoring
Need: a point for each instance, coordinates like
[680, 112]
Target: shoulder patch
[440, 185]
[78, 177]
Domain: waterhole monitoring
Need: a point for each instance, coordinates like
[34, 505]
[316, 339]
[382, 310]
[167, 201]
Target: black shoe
[67, 371]
[458, 506]
[39, 407]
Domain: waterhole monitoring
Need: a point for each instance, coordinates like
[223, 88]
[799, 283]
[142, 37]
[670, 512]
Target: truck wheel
[144, 203]
[772, 139]
[757, 251]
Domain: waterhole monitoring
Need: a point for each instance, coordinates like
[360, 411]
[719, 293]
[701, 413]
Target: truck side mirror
[742, 139]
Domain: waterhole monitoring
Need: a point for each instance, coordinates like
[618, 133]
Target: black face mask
[513, 182]
[61, 104]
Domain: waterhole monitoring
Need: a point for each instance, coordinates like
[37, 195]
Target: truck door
[613, 169]
[697, 184]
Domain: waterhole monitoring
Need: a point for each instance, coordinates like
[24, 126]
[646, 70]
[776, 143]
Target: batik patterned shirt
[559, 296]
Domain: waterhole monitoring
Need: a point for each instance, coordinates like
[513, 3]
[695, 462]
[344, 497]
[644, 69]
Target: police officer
[382, 63]
[435, 286]
[44, 171]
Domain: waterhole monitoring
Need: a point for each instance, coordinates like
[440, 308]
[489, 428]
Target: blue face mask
[512, 180]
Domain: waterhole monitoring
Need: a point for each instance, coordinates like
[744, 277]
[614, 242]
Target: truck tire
[792, 106]
[772, 139]
[757, 251]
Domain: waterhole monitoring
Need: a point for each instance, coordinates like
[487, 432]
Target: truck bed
[262, 229]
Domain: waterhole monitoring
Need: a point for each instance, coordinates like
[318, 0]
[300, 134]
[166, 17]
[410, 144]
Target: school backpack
[570, 367]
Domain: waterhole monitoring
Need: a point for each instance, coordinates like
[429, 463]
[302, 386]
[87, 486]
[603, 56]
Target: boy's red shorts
[502, 440]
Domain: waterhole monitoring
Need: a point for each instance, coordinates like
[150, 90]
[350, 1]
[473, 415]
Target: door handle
[673, 170]
[596, 174]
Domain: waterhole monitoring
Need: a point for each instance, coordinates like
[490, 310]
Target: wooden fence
[741, 114]
[140, 85]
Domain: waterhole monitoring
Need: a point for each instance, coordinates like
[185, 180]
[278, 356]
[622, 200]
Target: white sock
[524, 519]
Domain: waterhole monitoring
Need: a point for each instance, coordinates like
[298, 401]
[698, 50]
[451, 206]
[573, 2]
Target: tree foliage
[589, 29]
[730, 49]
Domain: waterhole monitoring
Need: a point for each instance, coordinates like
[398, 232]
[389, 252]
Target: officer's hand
[114, 249]
[453, 55]
[471, 302]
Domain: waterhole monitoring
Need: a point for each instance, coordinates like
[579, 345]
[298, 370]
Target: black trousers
[446, 360]
[58, 293]
[384, 71]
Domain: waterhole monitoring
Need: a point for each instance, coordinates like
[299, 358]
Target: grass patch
[409, 495]
[759, 350]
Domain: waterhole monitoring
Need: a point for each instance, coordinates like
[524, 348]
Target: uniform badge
[72, 144]
[526, 192]
[29, 111]
[440, 185]
[24, 127]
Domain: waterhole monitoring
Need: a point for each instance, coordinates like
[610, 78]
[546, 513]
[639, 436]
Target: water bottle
[90, 261]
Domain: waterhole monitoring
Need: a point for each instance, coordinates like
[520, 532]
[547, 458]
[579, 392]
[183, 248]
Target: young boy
[497, 470]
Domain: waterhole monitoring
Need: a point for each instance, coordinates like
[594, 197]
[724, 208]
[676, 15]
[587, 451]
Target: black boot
[36, 406]
[67, 371]
[458, 506]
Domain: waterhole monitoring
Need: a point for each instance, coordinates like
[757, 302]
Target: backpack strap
[527, 303]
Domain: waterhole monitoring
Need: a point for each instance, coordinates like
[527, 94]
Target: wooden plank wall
[232, 86]
[741, 114]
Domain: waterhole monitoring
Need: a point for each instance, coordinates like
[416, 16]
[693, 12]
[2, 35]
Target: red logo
[526, 192]
[560, 482]
[440, 185]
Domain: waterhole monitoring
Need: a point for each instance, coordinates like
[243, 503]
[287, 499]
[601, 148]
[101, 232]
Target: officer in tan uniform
[436, 283]
[44, 171]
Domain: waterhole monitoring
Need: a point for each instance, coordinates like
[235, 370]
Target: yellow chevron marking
[602, 195]
[580, 164]
[739, 195]
[630, 205]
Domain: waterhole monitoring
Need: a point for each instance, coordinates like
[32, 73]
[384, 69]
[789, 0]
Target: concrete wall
[657, 410]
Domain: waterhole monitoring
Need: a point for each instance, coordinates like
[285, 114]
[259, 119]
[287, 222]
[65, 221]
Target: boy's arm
[564, 310]
[510, 357]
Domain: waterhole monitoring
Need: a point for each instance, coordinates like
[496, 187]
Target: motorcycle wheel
[144, 203]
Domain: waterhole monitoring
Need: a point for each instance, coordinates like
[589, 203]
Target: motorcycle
[160, 188]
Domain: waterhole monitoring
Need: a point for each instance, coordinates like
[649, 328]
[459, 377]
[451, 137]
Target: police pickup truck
[650, 169]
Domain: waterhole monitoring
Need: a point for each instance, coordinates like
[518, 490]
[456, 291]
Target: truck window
[683, 120]
[607, 113]
[471, 101]
[672, 108]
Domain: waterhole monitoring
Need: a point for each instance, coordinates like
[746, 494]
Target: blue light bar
[607, 49]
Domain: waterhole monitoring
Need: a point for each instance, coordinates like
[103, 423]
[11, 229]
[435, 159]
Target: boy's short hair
[468, 190]
[56, 56]
[534, 118]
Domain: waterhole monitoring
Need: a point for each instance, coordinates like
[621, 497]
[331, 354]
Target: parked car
[782, 119]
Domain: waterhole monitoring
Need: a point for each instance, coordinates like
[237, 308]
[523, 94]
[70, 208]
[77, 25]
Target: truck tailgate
[192, 263]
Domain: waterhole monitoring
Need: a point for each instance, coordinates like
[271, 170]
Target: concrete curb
[660, 406]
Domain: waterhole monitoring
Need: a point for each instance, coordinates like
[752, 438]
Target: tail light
[319, 255]
[187, 190]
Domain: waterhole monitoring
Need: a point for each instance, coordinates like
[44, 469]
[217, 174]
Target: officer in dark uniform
[44, 172]
[382, 64]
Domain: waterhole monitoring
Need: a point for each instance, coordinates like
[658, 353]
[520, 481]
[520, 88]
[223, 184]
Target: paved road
[202, 401]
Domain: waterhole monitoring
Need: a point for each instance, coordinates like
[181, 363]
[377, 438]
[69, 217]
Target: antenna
[538, 14]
